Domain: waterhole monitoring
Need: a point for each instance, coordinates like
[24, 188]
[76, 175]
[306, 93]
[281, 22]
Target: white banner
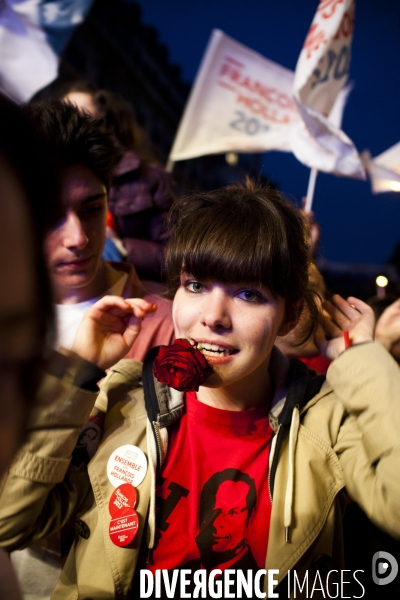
[384, 170]
[321, 72]
[240, 101]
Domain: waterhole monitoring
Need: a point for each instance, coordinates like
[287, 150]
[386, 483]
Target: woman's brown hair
[246, 233]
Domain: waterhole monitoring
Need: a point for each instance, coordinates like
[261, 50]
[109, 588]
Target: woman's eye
[194, 286]
[251, 296]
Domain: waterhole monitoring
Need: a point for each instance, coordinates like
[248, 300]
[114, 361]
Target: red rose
[181, 366]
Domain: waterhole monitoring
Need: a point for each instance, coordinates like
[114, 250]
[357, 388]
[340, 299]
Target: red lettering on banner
[234, 61]
[315, 38]
[258, 108]
[328, 7]
[225, 69]
[246, 83]
[227, 86]
[271, 95]
[346, 26]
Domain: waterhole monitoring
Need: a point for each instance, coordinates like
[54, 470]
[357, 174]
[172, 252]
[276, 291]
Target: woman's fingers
[122, 307]
[140, 308]
[109, 328]
[347, 312]
[352, 315]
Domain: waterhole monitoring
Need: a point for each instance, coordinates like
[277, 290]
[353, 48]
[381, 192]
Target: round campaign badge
[127, 464]
[123, 496]
[123, 526]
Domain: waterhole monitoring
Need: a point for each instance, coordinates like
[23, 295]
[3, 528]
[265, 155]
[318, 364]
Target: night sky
[357, 227]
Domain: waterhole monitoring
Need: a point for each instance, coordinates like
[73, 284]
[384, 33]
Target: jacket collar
[134, 287]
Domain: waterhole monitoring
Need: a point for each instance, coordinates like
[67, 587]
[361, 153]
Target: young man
[87, 154]
[250, 469]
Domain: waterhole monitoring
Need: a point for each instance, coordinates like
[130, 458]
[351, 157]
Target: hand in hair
[109, 328]
[352, 315]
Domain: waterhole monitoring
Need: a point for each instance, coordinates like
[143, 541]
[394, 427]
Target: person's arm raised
[352, 315]
[109, 328]
[387, 330]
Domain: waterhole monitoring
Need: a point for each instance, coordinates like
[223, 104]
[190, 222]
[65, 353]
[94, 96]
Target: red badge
[124, 526]
[123, 496]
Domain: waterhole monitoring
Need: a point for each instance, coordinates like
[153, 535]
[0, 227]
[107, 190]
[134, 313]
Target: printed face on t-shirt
[231, 518]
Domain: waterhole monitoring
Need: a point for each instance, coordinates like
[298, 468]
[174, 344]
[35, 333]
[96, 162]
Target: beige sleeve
[366, 380]
[39, 493]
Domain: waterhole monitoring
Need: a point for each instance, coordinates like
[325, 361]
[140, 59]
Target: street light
[381, 282]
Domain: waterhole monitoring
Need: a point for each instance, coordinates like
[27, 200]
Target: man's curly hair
[76, 138]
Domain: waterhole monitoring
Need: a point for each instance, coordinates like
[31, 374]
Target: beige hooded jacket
[347, 435]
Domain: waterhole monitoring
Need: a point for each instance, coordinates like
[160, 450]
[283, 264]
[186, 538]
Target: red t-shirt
[318, 363]
[213, 504]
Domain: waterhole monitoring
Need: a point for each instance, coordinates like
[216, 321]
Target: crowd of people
[225, 460]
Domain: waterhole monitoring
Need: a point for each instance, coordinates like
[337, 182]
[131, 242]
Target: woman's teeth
[213, 350]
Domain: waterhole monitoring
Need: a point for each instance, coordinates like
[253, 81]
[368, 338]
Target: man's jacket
[347, 434]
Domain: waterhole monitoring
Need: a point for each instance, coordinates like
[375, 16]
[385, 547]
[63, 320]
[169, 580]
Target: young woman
[247, 466]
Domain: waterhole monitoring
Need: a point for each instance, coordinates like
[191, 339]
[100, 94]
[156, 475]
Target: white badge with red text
[127, 464]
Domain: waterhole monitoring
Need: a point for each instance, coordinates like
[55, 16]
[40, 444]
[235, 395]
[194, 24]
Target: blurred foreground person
[28, 206]
[220, 454]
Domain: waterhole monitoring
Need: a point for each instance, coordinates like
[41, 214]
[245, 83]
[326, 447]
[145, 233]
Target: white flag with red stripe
[321, 73]
[240, 101]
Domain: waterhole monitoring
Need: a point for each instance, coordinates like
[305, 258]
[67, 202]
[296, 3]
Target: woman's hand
[109, 328]
[352, 315]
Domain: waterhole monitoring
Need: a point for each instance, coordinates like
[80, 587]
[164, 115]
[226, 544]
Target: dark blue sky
[357, 227]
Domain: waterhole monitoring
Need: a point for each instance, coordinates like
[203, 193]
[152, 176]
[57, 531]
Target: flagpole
[169, 167]
[310, 190]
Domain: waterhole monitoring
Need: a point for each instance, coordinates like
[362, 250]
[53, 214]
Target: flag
[32, 34]
[321, 72]
[384, 170]
[240, 101]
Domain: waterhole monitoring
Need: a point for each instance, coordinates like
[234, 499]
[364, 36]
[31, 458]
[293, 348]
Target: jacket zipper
[269, 485]
[157, 443]
[156, 433]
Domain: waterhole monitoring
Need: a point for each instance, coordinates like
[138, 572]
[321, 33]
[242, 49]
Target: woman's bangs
[233, 256]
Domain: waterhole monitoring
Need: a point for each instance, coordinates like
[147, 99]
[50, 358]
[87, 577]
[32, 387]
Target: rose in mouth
[181, 366]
